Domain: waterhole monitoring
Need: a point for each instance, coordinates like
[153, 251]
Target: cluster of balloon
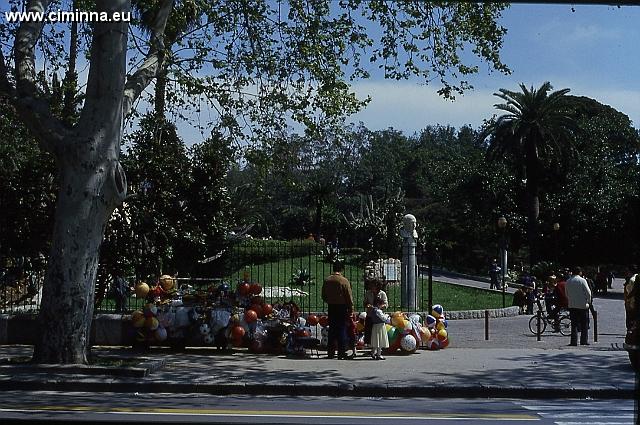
[163, 290]
[148, 327]
[403, 333]
[323, 321]
[435, 333]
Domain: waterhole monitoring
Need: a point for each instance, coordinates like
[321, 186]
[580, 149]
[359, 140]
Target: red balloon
[243, 289]
[237, 332]
[324, 321]
[237, 342]
[312, 320]
[258, 309]
[250, 316]
[267, 309]
[257, 300]
[256, 288]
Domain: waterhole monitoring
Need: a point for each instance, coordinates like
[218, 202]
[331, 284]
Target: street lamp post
[556, 228]
[502, 228]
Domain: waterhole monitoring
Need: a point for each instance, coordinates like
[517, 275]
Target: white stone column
[408, 293]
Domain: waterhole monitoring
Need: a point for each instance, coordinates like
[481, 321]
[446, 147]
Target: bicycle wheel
[565, 325]
[533, 325]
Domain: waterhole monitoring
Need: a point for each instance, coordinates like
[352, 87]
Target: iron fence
[286, 270]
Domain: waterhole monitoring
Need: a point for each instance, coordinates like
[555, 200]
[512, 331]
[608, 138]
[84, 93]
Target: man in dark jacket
[336, 292]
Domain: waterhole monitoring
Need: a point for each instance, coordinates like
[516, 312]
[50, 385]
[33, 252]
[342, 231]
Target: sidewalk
[511, 364]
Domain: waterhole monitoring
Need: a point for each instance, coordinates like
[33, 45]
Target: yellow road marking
[281, 413]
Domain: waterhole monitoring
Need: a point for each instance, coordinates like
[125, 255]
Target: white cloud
[411, 107]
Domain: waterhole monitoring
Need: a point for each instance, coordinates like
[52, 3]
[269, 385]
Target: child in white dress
[379, 338]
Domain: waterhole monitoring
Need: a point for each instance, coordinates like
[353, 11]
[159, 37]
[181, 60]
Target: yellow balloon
[167, 282]
[440, 325]
[142, 289]
[151, 323]
[137, 319]
[442, 334]
[359, 327]
[387, 327]
[397, 321]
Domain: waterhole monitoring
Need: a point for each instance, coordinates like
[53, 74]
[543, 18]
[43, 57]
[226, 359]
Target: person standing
[579, 296]
[336, 292]
[374, 291]
[494, 274]
[379, 337]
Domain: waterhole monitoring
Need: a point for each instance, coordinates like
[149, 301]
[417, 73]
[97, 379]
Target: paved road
[203, 408]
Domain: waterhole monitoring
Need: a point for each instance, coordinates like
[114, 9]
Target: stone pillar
[408, 293]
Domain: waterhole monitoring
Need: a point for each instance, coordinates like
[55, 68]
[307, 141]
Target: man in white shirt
[579, 296]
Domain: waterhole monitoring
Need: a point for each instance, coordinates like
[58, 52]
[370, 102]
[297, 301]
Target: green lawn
[279, 274]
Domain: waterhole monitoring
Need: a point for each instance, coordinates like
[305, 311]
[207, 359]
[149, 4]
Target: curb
[321, 389]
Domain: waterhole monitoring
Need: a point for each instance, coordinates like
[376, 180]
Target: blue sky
[594, 51]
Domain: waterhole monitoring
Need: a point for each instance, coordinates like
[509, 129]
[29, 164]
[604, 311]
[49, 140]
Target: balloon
[255, 288]
[408, 343]
[324, 321]
[444, 343]
[204, 329]
[392, 333]
[407, 326]
[437, 310]
[137, 319]
[237, 332]
[160, 334]
[431, 321]
[142, 289]
[433, 344]
[312, 320]
[243, 289]
[150, 310]
[267, 309]
[398, 321]
[151, 323]
[208, 338]
[441, 335]
[167, 282]
[440, 325]
[237, 342]
[359, 327]
[258, 309]
[250, 316]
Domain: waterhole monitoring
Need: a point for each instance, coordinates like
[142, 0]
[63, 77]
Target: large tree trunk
[92, 183]
[87, 196]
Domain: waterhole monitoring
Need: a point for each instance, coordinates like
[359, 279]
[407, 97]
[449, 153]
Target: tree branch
[141, 78]
[33, 109]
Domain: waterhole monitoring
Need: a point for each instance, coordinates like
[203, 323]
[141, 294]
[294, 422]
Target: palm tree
[536, 130]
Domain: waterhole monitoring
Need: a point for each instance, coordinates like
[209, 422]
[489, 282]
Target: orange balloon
[237, 332]
[256, 288]
[258, 309]
[243, 289]
[312, 320]
[250, 316]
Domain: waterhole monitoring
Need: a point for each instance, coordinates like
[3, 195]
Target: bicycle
[564, 322]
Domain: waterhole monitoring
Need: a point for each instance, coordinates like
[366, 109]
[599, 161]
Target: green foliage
[535, 130]
[27, 190]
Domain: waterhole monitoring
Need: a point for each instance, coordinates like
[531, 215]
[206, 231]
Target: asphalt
[511, 363]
